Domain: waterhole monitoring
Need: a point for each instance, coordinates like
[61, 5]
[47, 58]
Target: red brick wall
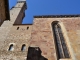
[42, 35]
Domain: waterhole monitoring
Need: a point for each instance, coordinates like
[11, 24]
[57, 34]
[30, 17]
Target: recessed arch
[60, 44]
[54, 22]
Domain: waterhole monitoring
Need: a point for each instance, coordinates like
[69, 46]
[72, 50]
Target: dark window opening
[27, 28]
[62, 50]
[17, 28]
[11, 47]
[34, 53]
[23, 47]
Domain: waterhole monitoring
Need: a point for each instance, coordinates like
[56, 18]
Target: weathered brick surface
[42, 36]
[10, 35]
[39, 34]
[17, 38]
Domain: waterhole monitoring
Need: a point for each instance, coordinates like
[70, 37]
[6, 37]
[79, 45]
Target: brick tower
[15, 36]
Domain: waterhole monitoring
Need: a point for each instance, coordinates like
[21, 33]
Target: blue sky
[48, 7]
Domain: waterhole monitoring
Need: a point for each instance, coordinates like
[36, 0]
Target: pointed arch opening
[23, 47]
[60, 44]
[11, 47]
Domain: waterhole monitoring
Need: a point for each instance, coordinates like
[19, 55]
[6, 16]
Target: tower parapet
[21, 5]
[22, 1]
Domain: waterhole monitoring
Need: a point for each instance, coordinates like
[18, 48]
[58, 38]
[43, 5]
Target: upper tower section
[21, 5]
[4, 10]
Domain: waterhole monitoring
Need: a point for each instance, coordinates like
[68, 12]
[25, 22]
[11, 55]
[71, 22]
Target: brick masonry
[10, 35]
[42, 36]
[39, 34]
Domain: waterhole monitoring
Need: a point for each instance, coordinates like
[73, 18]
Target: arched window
[10, 47]
[23, 47]
[61, 47]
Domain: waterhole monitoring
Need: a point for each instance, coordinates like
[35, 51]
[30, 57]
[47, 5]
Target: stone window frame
[72, 57]
[8, 48]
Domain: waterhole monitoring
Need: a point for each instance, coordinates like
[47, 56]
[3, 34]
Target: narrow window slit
[17, 28]
[11, 47]
[27, 28]
[23, 47]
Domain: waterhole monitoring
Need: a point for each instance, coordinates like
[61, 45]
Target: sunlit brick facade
[53, 37]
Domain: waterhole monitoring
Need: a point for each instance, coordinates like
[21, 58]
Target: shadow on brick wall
[34, 53]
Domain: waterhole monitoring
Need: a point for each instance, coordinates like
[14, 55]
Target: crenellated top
[20, 3]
